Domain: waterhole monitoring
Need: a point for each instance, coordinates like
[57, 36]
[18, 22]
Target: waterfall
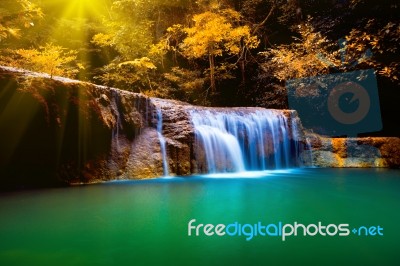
[162, 141]
[243, 140]
[114, 105]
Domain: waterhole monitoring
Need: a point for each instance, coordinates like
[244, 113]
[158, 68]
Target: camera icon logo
[337, 104]
[352, 92]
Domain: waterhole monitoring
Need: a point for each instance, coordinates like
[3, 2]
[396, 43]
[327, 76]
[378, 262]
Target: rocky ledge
[355, 152]
[61, 131]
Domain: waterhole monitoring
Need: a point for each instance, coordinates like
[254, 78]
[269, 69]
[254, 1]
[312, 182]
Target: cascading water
[114, 106]
[243, 140]
[162, 141]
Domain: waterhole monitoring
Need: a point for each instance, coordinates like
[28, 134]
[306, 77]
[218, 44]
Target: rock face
[62, 131]
[355, 152]
[56, 131]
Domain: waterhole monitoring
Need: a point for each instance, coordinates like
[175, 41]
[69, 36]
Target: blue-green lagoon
[146, 222]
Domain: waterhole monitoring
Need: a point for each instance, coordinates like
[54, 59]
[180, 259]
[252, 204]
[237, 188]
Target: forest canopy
[210, 52]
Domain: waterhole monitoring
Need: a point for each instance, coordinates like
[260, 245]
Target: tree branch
[258, 26]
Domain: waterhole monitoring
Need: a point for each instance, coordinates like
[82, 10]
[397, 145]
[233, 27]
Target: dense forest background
[208, 52]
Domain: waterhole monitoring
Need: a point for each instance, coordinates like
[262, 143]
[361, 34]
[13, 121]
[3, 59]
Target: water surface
[146, 222]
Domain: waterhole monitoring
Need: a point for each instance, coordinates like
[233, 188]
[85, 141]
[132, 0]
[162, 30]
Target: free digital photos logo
[280, 230]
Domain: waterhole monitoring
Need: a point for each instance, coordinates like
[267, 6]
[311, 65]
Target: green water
[146, 222]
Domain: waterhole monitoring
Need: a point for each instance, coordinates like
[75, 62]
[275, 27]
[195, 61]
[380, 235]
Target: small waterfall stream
[114, 105]
[162, 141]
[244, 140]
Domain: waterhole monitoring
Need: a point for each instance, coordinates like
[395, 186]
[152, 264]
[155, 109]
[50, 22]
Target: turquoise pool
[146, 222]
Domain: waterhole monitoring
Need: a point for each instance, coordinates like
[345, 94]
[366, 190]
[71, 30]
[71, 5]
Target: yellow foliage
[14, 32]
[215, 33]
[310, 56]
[102, 39]
[175, 28]
[157, 51]
[80, 66]
[143, 63]
[49, 59]
[16, 14]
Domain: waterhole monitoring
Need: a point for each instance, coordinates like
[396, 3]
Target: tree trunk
[212, 72]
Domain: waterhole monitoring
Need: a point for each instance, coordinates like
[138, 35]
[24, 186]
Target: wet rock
[355, 152]
[145, 159]
[104, 100]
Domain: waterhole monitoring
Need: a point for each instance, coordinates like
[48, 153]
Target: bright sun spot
[84, 8]
[79, 8]
[76, 16]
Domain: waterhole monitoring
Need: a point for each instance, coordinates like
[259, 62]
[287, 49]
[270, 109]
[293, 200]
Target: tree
[134, 25]
[368, 43]
[15, 14]
[216, 33]
[50, 59]
[131, 75]
[132, 33]
[186, 85]
[370, 34]
[310, 55]
[383, 43]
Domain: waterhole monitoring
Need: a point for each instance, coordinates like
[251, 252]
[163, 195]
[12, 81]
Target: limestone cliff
[64, 131]
[61, 131]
